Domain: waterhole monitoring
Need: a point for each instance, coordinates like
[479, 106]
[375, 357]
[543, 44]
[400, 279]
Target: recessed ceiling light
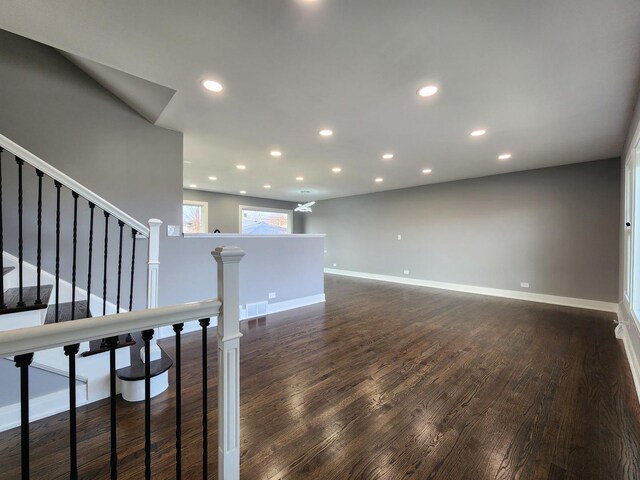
[336, 169]
[427, 91]
[193, 185]
[187, 162]
[212, 86]
[243, 192]
[213, 178]
[387, 156]
[504, 156]
[478, 133]
[379, 180]
[276, 153]
[299, 179]
[326, 132]
[267, 186]
[427, 171]
[241, 167]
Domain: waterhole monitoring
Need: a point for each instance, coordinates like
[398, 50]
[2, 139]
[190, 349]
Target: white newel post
[153, 267]
[228, 260]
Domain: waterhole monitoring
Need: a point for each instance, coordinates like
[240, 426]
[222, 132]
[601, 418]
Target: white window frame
[266, 209]
[205, 212]
[629, 172]
[631, 234]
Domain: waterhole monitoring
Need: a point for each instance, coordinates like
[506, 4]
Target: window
[632, 229]
[194, 216]
[628, 219]
[264, 221]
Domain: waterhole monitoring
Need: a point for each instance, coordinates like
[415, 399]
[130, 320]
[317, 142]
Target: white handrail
[70, 183]
[43, 337]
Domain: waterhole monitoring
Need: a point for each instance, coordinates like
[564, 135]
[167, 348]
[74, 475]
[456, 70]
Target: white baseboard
[494, 292]
[295, 303]
[630, 335]
[271, 308]
[41, 407]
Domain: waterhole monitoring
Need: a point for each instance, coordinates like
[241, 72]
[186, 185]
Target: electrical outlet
[406, 272]
[399, 237]
[173, 230]
[524, 285]
[272, 295]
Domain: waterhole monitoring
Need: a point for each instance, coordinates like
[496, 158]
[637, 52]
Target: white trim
[33, 339]
[241, 235]
[295, 303]
[70, 183]
[41, 407]
[266, 209]
[166, 332]
[628, 328]
[205, 214]
[494, 292]
[289, 304]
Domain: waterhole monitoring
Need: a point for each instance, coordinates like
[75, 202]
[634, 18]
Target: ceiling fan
[304, 207]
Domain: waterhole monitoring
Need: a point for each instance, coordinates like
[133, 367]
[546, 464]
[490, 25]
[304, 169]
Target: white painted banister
[153, 262]
[228, 260]
[70, 183]
[153, 271]
[43, 337]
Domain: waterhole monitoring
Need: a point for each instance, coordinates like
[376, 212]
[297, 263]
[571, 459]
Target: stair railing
[63, 185]
[22, 343]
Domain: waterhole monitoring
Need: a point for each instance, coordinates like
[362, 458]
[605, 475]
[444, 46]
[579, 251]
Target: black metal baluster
[39, 250]
[112, 343]
[106, 252]
[204, 323]
[147, 335]
[71, 351]
[89, 262]
[75, 250]
[20, 163]
[121, 225]
[2, 304]
[133, 270]
[177, 328]
[57, 305]
[103, 343]
[23, 362]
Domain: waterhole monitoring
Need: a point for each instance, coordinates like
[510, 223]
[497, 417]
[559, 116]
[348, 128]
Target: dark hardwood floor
[389, 381]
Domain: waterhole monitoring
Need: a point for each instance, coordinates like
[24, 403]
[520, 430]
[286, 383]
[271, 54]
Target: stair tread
[95, 349]
[29, 296]
[64, 312]
[6, 270]
[136, 370]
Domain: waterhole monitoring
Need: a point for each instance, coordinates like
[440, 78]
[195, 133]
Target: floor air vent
[258, 309]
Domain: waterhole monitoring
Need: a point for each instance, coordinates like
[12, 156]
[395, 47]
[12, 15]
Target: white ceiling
[552, 81]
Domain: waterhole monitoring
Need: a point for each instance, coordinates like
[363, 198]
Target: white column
[228, 260]
[153, 267]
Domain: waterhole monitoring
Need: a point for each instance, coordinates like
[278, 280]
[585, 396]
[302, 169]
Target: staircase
[81, 251]
[65, 259]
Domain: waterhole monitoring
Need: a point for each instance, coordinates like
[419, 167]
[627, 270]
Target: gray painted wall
[556, 228]
[224, 209]
[289, 266]
[53, 109]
